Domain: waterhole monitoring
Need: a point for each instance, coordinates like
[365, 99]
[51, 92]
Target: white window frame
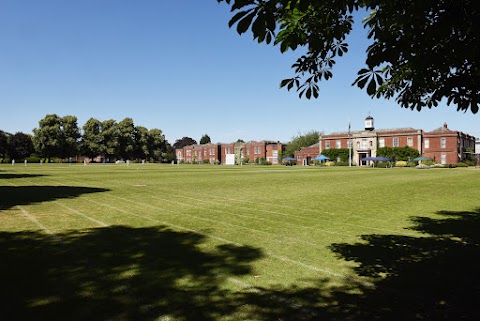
[327, 144]
[338, 144]
[443, 158]
[427, 143]
[443, 142]
[395, 142]
[381, 142]
[410, 141]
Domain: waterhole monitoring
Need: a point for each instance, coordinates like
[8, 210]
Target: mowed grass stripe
[283, 246]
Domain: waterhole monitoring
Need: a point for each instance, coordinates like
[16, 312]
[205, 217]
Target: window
[444, 158]
[205, 152]
[248, 151]
[299, 157]
[349, 144]
[443, 143]
[275, 153]
[410, 141]
[212, 151]
[338, 144]
[427, 143]
[189, 153]
[370, 143]
[381, 142]
[395, 142]
[364, 143]
[179, 155]
[327, 145]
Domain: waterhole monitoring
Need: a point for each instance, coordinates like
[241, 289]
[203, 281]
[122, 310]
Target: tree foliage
[301, 140]
[421, 52]
[48, 137]
[398, 153]
[205, 139]
[92, 138]
[185, 141]
[334, 153]
[4, 144]
[21, 146]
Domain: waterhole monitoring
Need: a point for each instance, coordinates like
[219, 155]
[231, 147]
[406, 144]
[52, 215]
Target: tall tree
[301, 140]
[71, 136]
[205, 139]
[126, 139]
[142, 142]
[185, 141]
[92, 138]
[157, 144]
[48, 137]
[4, 144]
[420, 53]
[21, 146]
[110, 133]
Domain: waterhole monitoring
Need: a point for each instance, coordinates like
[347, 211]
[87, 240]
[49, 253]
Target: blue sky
[176, 66]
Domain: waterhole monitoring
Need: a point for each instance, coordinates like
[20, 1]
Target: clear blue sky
[176, 66]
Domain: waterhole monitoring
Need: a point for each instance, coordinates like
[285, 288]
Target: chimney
[445, 125]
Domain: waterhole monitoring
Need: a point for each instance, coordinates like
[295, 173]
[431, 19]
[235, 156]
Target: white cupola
[369, 123]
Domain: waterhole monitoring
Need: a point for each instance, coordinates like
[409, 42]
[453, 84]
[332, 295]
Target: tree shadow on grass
[118, 273]
[18, 175]
[434, 277]
[11, 196]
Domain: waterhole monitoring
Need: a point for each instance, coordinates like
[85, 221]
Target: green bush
[206, 161]
[382, 165]
[411, 164]
[401, 164]
[461, 164]
[33, 159]
[330, 163]
[245, 160]
[341, 164]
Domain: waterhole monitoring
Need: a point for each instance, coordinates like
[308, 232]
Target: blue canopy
[321, 158]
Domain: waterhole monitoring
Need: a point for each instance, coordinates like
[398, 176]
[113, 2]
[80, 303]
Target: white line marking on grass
[35, 221]
[82, 215]
[265, 219]
[275, 256]
[274, 235]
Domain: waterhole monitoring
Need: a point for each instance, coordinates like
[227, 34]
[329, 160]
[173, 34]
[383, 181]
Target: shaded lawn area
[117, 273]
[123, 273]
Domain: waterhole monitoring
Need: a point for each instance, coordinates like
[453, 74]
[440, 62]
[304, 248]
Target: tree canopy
[205, 139]
[301, 140]
[421, 52]
[185, 141]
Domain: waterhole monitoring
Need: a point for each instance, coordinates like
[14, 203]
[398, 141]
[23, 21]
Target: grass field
[162, 242]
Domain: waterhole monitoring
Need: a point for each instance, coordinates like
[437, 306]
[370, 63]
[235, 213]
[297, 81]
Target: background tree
[92, 138]
[126, 138]
[48, 137]
[142, 143]
[4, 145]
[70, 136]
[240, 140]
[21, 146]
[301, 140]
[205, 139]
[420, 53]
[185, 141]
[157, 144]
[110, 139]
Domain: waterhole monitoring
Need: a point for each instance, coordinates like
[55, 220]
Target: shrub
[461, 164]
[411, 164]
[33, 159]
[341, 164]
[206, 161]
[245, 160]
[382, 165]
[329, 163]
[401, 164]
[437, 166]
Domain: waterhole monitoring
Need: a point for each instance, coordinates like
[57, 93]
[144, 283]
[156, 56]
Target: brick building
[231, 153]
[443, 145]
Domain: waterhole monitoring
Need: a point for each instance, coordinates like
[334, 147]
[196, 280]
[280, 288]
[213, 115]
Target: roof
[404, 129]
